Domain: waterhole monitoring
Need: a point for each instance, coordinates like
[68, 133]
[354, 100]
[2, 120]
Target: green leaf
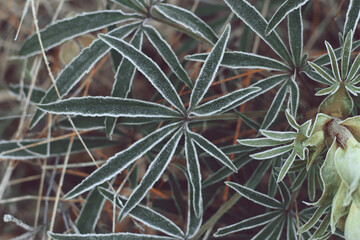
[217, 105]
[121, 160]
[146, 215]
[322, 73]
[248, 121]
[57, 148]
[285, 168]
[294, 95]
[285, 194]
[317, 77]
[352, 17]
[287, 7]
[255, 196]
[329, 90]
[311, 184]
[177, 195]
[291, 120]
[156, 168]
[107, 236]
[291, 228]
[130, 4]
[275, 106]
[81, 65]
[354, 69]
[91, 211]
[324, 224]
[300, 178]
[147, 67]
[237, 60]
[262, 142]
[188, 20]
[212, 150]
[123, 80]
[208, 71]
[313, 220]
[66, 29]
[110, 107]
[251, 16]
[248, 223]
[279, 135]
[36, 95]
[346, 54]
[295, 32]
[272, 152]
[270, 229]
[223, 172]
[168, 55]
[334, 64]
[193, 168]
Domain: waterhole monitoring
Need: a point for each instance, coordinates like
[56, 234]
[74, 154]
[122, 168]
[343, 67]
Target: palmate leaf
[275, 106]
[248, 223]
[156, 168]
[91, 211]
[121, 160]
[147, 67]
[273, 230]
[188, 20]
[146, 215]
[334, 64]
[212, 150]
[262, 142]
[313, 220]
[130, 4]
[286, 166]
[208, 71]
[279, 135]
[287, 7]
[63, 30]
[109, 236]
[354, 69]
[294, 96]
[291, 227]
[295, 32]
[57, 148]
[110, 107]
[251, 16]
[237, 59]
[167, 54]
[217, 105]
[123, 80]
[352, 17]
[81, 65]
[272, 152]
[346, 54]
[255, 196]
[193, 168]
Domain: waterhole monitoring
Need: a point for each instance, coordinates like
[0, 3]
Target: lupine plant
[169, 174]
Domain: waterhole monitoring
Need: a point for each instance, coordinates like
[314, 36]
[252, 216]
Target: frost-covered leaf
[330, 90]
[208, 71]
[287, 7]
[237, 59]
[147, 67]
[121, 160]
[346, 53]
[321, 71]
[286, 166]
[262, 142]
[291, 228]
[90, 212]
[217, 105]
[313, 220]
[279, 135]
[167, 54]
[81, 65]
[334, 64]
[295, 32]
[57, 148]
[352, 17]
[65, 29]
[272, 152]
[294, 96]
[251, 16]
[188, 20]
[275, 106]
[153, 173]
[123, 80]
[317, 77]
[193, 168]
[109, 106]
[249, 223]
[130, 4]
[354, 69]
[146, 215]
[255, 196]
[212, 150]
[107, 236]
